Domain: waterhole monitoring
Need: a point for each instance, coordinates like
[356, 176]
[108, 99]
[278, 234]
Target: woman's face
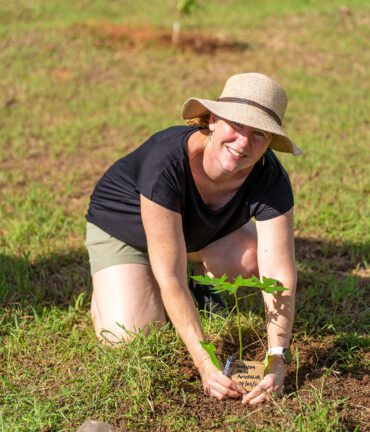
[236, 147]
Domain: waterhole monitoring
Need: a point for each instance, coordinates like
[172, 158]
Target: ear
[212, 121]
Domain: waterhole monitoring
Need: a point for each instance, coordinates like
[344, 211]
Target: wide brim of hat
[243, 114]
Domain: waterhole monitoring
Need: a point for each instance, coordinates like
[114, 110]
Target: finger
[225, 391]
[229, 383]
[259, 399]
[216, 394]
[230, 389]
[251, 395]
[257, 394]
[257, 391]
[276, 382]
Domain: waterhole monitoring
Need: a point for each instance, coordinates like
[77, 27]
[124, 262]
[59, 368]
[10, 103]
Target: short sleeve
[274, 195]
[165, 192]
[161, 181]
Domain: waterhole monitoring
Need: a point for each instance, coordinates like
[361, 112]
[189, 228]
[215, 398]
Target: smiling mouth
[235, 154]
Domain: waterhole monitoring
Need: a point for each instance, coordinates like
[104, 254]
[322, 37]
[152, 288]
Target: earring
[263, 159]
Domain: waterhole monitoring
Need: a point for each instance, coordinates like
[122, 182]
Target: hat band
[252, 103]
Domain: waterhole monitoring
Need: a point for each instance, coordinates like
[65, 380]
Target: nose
[243, 139]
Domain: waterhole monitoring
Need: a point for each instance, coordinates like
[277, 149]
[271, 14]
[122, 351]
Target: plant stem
[239, 328]
[176, 33]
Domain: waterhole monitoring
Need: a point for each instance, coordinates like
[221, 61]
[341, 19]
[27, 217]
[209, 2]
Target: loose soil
[115, 36]
[316, 359]
[353, 388]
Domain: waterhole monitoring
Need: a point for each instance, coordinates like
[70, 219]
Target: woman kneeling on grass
[188, 194]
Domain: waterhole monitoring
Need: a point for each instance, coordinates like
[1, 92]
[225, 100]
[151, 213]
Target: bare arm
[276, 260]
[167, 253]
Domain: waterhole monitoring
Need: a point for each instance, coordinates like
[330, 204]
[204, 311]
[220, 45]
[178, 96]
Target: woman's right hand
[218, 385]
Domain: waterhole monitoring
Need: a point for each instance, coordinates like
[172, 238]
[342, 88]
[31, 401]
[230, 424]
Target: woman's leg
[125, 296]
[234, 254]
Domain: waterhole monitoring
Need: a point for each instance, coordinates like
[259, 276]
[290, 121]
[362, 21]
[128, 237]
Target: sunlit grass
[70, 107]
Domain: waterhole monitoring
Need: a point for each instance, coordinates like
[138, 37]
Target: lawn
[84, 83]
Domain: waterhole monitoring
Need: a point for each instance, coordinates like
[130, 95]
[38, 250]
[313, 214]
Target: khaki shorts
[105, 250]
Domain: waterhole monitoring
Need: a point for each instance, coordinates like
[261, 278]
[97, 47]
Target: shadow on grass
[331, 287]
[57, 279]
[331, 307]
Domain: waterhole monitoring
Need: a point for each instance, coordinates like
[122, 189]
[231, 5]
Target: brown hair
[199, 121]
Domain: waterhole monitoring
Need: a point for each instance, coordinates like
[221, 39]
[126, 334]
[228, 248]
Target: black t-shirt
[160, 170]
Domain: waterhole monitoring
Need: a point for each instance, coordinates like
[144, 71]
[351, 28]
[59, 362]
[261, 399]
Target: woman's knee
[126, 300]
[249, 263]
[114, 335]
[108, 332]
[113, 331]
[235, 254]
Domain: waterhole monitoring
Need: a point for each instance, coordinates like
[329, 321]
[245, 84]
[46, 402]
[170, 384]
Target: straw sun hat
[251, 99]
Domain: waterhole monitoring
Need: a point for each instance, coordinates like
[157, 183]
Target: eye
[260, 134]
[238, 125]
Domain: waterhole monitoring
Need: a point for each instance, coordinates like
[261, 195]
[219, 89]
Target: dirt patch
[322, 377]
[315, 385]
[118, 36]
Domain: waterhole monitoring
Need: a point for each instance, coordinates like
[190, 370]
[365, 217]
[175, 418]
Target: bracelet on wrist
[284, 352]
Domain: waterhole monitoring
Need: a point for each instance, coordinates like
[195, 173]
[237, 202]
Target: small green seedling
[184, 8]
[221, 285]
[187, 7]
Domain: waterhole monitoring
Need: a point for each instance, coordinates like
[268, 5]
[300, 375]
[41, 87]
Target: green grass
[71, 105]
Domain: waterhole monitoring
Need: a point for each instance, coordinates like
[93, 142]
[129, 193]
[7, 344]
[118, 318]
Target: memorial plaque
[248, 373]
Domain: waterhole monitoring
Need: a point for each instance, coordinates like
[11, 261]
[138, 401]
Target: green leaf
[274, 289]
[203, 280]
[186, 7]
[223, 288]
[208, 280]
[253, 281]
[269, 285]
[211, 350]
[239, 281]
[219, 284]
[269, 281]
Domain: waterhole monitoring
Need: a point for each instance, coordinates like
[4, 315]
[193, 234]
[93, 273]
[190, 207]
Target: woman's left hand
[271, 383]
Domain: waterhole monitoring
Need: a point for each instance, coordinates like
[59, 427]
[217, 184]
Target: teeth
[235, 153]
